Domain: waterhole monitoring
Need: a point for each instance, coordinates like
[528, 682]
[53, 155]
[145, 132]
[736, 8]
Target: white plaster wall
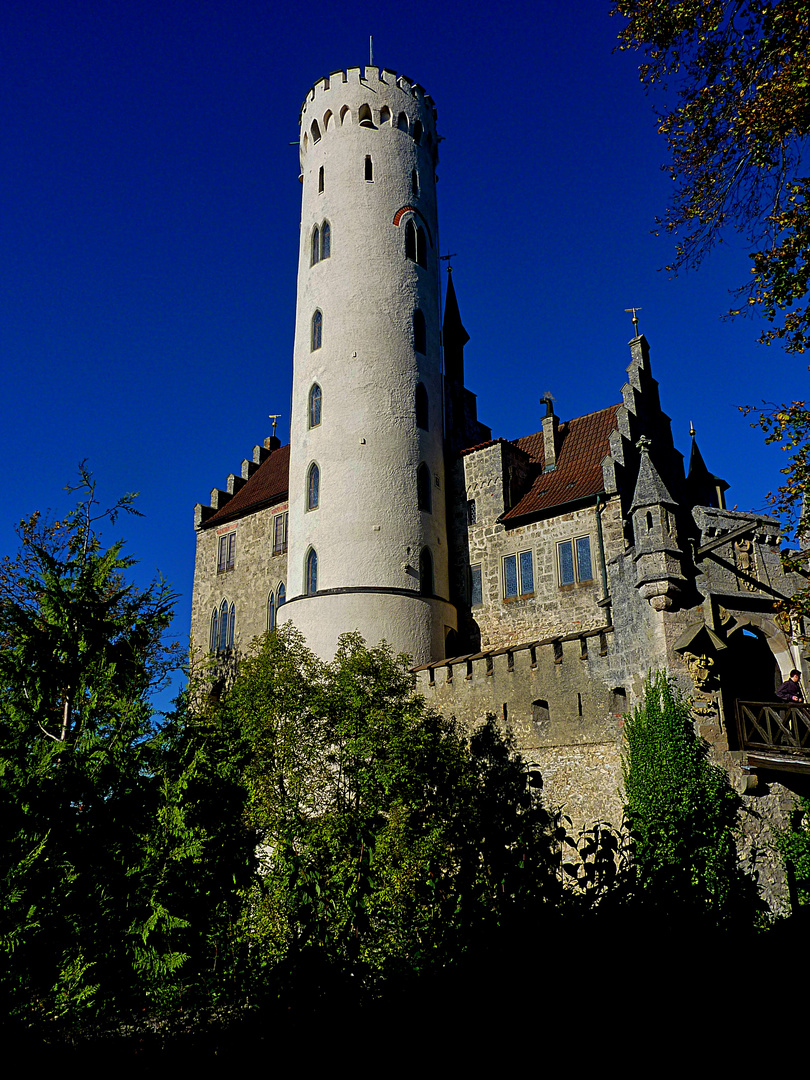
[410, 624]
[367, 530]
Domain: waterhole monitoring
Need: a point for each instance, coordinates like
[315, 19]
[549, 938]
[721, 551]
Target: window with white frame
[226, 554]
[574, 560]
[518, 575]
[280, 533]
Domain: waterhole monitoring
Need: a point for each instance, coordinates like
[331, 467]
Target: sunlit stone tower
[368, 540]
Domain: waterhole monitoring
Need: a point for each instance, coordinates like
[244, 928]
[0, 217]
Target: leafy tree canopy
[734, 76]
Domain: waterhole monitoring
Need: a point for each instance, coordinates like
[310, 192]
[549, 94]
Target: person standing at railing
[790, 690]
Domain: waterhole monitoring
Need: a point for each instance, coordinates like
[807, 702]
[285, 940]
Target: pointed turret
[454, 336]
[462, 428]
[659, 573]
[703, 487]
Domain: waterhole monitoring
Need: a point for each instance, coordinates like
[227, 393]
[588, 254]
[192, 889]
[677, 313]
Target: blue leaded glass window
[326, 240]
[282, 594]
[271, 612]
[566, 557]
[316, 247]
[317, 330]
[315, 406]
[584, 569]
[510, 585]
[526, 573]
[313, 487]
[312, 572]
[223, 627]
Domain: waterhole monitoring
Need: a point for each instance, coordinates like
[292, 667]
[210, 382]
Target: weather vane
[447, 258]
[274, 417]
[635, 317]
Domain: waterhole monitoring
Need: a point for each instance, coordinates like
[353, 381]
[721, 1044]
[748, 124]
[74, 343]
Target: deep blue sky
[149, 235]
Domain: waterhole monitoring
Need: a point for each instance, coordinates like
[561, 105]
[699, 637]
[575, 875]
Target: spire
[705, 489]
[650, 488]
[454, 335]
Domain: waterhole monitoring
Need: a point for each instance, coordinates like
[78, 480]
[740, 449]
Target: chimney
[550, 422]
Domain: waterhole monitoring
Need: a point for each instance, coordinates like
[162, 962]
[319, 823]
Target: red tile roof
[269, 484]
[582, 445]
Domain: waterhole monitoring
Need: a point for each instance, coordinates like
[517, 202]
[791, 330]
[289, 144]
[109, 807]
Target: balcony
[774, 735]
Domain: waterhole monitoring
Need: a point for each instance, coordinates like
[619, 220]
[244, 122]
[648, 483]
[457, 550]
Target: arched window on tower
[425, 572]
[320, 180]
[315, 406]
[345, 115]
[281, 592]
[316, 131]
[419, 332]
[417, 132]
[317, 330]
[385, 115]
[313, 487]
[364, 116]
[213, 640]
[421, 248]
[311, 583]
[422, 412]
[315, 246]
[410, 241]
[327, 116]
[423, 492]
[326, 240]
[402, 122]
[271, 612]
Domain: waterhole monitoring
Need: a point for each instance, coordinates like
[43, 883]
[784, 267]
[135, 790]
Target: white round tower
[367, 532]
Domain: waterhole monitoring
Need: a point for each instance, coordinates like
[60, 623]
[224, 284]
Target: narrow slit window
[312, 572]
[426, 572]
[417, 132]
[410, 241]
[414, 182]
[369, 170]
[476, 587]
[271, 612]
[317, 330]
[423, 492]
[320, 180]
[313, 487]
[315, 406]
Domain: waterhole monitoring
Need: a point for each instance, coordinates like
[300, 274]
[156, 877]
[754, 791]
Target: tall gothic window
[326, 240]
[315, 406]
[315, 252]
[317, 330]
[313, 487]
[271, 612]
[222, 644]
[312, 572]
[415, 248]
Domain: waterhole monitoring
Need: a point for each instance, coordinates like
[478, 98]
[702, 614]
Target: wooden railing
[779, 730]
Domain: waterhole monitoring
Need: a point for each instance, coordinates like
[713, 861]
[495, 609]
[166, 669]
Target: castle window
[425, 572]
[212, 642]
[315, 406]
[231, 626]
[311, 572]
[369, 170]
[326, 240]
[540, 712]
[472, 512]
[417, 132]
[345, 115]
[316, 131]
[422, 409]
[385, 115]
[419, 333]
[476, 586]
[271, 612]
[327, 116]
[280, 533]
[574, 560]
[423, 492]
[222, 643]
[410, 241]
[282, 596]
[414, 182]
[315, 247]
[402, 122]
[226, 559]
[317, 330]
[364, 116]
[313, 487]
[320, 180]
[518, 575]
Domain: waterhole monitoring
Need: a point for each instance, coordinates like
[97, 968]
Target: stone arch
[327, 118]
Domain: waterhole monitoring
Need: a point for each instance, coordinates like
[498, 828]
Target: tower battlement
[371, 97]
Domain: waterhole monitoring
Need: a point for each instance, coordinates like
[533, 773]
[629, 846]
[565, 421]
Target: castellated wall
[247, 586]
[558, 697]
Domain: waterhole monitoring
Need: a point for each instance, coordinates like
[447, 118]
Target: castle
[537, 579]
